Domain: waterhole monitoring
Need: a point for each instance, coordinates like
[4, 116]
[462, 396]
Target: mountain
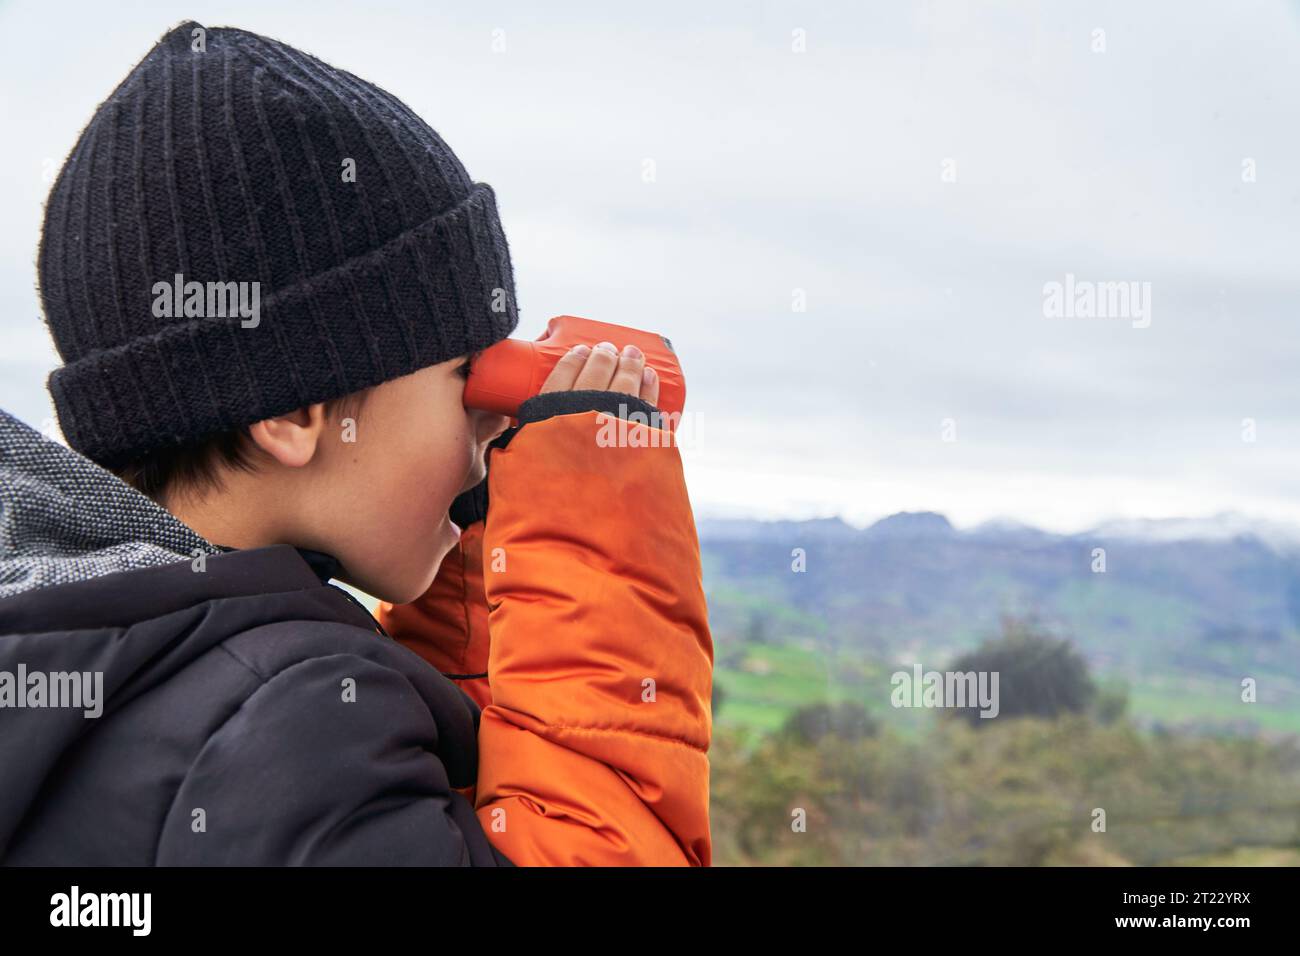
[1211, 599]
[904, 524]
[1225, 526]
[1221, 527]
[910, 525]
[1006, 529]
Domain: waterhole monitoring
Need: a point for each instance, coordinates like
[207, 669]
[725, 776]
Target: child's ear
[291, 439]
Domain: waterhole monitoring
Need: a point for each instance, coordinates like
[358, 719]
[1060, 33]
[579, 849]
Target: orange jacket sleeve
[593, 740]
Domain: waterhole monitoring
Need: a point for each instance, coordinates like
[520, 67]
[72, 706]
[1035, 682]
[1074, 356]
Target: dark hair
[198, 464]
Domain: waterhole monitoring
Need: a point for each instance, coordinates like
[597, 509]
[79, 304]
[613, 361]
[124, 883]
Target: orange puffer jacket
[575, 617]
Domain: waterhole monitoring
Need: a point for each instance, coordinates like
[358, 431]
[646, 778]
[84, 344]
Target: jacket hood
[63, 518]
[102, 600]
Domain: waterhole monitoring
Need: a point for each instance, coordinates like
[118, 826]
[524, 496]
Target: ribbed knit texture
[226, 165]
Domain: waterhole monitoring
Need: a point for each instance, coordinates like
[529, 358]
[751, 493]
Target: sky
[853, 215]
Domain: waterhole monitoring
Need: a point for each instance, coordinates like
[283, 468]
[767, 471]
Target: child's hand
[604, 369]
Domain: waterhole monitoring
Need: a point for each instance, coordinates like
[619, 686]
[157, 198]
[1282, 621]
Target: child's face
[386, 493]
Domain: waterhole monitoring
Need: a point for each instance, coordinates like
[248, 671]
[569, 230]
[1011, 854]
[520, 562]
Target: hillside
[1182, 611]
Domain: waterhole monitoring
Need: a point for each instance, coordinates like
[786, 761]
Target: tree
[847, 720]
[1038, 675]
[1111, 703]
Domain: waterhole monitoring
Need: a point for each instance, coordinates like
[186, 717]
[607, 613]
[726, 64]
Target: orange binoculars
[513, 370]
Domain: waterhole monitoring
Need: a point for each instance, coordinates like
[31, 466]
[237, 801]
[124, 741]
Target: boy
[267, 279]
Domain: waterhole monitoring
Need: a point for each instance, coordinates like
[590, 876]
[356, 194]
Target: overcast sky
[920, 171]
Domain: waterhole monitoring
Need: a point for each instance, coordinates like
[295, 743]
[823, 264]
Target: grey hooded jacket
[167, 701]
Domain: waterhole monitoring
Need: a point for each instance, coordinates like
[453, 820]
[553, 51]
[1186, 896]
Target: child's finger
[650, 386]
[566, 370]
[599, 369]
[630, 366]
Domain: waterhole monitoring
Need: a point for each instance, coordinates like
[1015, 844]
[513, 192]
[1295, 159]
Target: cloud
[823, 172]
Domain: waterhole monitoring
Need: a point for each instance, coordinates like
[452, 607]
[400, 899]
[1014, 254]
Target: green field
[762, 684]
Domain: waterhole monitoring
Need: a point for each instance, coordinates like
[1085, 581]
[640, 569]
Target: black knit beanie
[242, 230]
